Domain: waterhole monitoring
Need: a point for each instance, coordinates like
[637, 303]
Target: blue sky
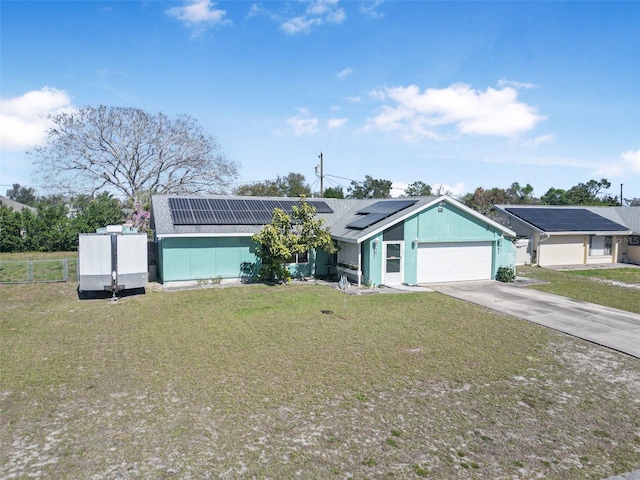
[458, 94]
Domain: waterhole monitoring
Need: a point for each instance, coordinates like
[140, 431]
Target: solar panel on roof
[320, 206]
[379, 211]
[367, 220]
[178, 204]
[387, 206]
[181, 217]
[238, 204]
[222, 211]
[566, 220]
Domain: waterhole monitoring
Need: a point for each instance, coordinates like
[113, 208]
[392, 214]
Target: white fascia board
[508, 232]
[443, 198]
[202, 235]
[588, 232]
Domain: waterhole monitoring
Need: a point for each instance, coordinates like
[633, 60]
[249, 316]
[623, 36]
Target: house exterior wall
[561, 250]
[187, 258]
[451, 225]
[372, 253]
[633, 254]
[193, 258]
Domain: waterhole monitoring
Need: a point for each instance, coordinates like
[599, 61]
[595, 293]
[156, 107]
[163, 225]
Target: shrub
[506, 274]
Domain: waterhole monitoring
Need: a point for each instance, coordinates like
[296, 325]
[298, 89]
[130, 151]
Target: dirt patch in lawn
[415, 386]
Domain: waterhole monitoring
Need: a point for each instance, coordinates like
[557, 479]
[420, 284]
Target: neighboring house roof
[17, 206]
[346, 222]
[566, 220]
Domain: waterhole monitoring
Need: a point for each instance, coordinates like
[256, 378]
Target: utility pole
[321, 175]
[621, 204]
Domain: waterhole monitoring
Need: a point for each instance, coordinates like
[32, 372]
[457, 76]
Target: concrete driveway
[605, 326]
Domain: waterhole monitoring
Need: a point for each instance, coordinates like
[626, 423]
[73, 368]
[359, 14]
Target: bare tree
[132, 152]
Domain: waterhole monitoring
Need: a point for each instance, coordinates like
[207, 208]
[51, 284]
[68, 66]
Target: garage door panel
[451, 262]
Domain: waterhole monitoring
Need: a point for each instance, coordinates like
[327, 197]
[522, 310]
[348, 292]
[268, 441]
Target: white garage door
[452, 262]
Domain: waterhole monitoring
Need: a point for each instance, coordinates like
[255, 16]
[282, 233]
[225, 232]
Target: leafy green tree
[24, 195]
[555, 196]
[370, 188]
[333, 192]
[291, 185]
[287, 236]
[11, 239]
[50, 230]
[520, 195]
[417, 189]
[590, 193]
[94, 213]
[482, 200]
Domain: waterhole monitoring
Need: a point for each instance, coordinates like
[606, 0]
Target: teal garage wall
[451, 225]
[206, 257]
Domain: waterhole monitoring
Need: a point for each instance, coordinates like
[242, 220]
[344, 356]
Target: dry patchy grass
[262, 382]
[590, 286]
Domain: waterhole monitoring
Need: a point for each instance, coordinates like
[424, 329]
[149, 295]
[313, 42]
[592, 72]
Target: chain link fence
[38, 271]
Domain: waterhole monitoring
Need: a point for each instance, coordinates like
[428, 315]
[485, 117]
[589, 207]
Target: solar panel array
[228, 211]
[379, 211]
[566, 220]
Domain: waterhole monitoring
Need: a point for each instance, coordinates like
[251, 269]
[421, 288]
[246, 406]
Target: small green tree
[333, 192]
[370, 188]
[287, 236]
[417, 189]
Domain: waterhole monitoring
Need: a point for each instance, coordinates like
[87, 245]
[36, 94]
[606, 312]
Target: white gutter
[202, 235]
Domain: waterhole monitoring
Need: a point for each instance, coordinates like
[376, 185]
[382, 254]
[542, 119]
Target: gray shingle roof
[627, 217]
[17, 206]
[344, 212]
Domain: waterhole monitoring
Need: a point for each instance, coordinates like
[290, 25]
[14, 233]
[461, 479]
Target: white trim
[442, 198]
[202, 235]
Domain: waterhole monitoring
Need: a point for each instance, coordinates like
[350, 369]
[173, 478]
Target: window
[299, 258]
[599, 246]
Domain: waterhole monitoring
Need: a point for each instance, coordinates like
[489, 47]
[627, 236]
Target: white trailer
[112, 260]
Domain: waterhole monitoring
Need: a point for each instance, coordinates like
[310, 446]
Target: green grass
[583, 285]
[626, 274]
[256, 381]
[45, 267]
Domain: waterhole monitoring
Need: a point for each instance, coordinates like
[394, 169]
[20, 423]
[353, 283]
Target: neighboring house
[16, 206]
[381, 241]
[571, 235]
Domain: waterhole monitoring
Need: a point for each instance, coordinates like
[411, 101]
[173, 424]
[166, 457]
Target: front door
[393, 252]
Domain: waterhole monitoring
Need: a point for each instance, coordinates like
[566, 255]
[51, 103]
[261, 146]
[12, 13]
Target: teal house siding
[372, 253]
[447, 223]
[204, 257]
[188, 252]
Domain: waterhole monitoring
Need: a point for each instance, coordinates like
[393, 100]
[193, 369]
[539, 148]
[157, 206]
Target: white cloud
[336, 122]
[628, 164]
[533, 143]
[199, 14]
[503, 82]
[317, 13]
[302, 124]
[23, 120]
[344, 73]
[446, 189]
[470, 112]
[355, 99]
[370, 8]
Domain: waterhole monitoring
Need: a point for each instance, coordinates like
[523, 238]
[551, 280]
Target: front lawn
[302, 381]
[588, 285]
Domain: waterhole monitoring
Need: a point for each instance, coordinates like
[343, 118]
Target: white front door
[393, 253]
